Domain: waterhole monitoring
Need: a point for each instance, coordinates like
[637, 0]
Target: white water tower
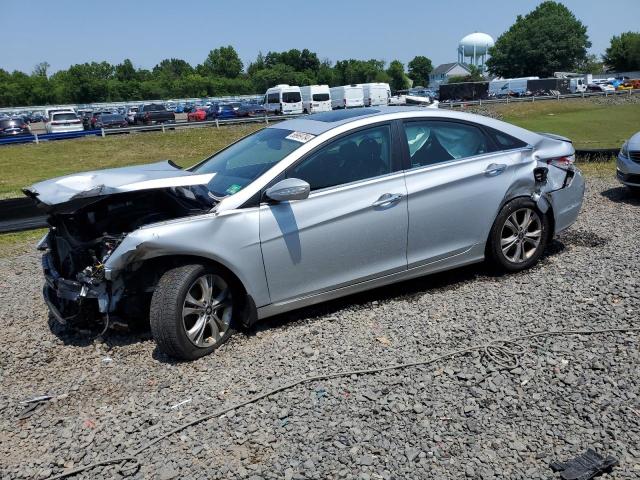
[473, 49]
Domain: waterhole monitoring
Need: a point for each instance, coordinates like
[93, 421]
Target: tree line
[548, 39]
[221, 73]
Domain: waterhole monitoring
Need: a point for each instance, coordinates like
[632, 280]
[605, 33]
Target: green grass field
[588, 124]
[22, 165]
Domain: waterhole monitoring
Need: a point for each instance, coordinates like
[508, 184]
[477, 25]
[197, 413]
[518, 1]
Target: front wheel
[192, 311]
[519, 236]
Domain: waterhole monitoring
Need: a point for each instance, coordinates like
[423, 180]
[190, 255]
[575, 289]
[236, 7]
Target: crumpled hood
[100, 183]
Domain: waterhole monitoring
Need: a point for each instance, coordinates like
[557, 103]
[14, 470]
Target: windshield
[321, 97]
[291, 97]
[244, 161]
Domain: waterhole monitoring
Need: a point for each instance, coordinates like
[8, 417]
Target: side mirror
[289, 189]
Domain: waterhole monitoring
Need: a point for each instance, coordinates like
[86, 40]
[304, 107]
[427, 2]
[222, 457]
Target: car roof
[319, 123]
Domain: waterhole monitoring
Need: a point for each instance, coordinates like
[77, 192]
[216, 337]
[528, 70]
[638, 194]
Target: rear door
[457, 177]
[353, 226]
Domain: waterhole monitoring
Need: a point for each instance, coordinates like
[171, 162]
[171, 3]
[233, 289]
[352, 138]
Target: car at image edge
[303, 211]
[628, 164]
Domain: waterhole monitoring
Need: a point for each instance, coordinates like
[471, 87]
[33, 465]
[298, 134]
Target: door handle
[495, 169]
[387, 199]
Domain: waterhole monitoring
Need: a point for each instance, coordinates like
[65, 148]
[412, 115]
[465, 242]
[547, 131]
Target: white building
[442, 73]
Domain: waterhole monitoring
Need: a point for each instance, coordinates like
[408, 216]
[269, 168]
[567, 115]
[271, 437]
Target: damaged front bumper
[69, 300]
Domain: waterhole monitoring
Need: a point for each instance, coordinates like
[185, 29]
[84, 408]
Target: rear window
[321, 97]
[11, 122]
[291, 97]
[154, 107]
[64, 116]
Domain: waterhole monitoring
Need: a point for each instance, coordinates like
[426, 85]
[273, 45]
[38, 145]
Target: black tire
[165, 316]
[633, 190]
[495, 253]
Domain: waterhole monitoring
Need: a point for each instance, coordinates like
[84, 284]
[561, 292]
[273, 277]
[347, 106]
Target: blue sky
[64, 32]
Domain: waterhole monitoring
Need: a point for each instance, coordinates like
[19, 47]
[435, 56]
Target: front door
[353, 226]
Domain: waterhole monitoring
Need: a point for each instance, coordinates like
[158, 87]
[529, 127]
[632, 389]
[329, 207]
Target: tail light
[562, 162]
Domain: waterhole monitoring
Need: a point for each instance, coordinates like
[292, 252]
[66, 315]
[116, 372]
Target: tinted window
[504, 141]
[321, 97]
[362, 155]
[64, 116]
[274, 98]
[433, 141]
[291, 97]
[154, 107]
[244, 161]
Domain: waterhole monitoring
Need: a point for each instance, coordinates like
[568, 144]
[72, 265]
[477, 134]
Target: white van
[316, 98]
[283, 99]
[375, 93]
[347, 96]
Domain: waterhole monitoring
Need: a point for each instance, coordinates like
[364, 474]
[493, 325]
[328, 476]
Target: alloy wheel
[521, 235]
[207, 310]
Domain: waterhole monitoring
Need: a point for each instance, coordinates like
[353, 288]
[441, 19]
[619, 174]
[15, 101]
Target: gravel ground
[460, 418]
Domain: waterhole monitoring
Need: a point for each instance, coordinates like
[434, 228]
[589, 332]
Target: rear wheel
[192, 311]
[519, 236]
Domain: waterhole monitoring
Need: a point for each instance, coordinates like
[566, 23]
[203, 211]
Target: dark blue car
[221, 111]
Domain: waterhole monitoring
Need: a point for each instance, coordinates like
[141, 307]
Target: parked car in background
[131, 115]
[316, 98]
[89, 120]
[13, 127]
[283, 100]
[64, 122]
[153, 113]
[428, 190]
[628, 163]
[251, 110]
[198, 114]
[347, 96]
[600, 87]
[220, 111]
[110, 120]
[51, 110]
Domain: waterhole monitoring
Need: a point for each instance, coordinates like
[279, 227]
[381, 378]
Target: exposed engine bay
[81, 240]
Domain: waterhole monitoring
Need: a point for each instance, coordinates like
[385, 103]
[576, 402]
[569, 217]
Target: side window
[432, 141]
[362, 155]
[274, 98]
[504, 141]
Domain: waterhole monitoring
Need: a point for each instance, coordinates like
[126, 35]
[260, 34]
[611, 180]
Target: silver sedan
[301, 212]
[628, 164]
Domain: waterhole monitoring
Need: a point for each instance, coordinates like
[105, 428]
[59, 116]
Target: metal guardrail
[266, 119]
[533, 98]
[37, 138]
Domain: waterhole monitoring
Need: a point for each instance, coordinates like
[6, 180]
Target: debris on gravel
[460, 418]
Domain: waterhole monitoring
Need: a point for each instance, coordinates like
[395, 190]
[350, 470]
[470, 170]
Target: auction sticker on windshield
[300, 137]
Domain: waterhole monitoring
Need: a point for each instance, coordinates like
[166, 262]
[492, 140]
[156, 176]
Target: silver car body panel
[626, 166]
[338, 241]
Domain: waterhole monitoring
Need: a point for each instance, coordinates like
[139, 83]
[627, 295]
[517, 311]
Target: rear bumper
[567, 202]
[63, 129]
